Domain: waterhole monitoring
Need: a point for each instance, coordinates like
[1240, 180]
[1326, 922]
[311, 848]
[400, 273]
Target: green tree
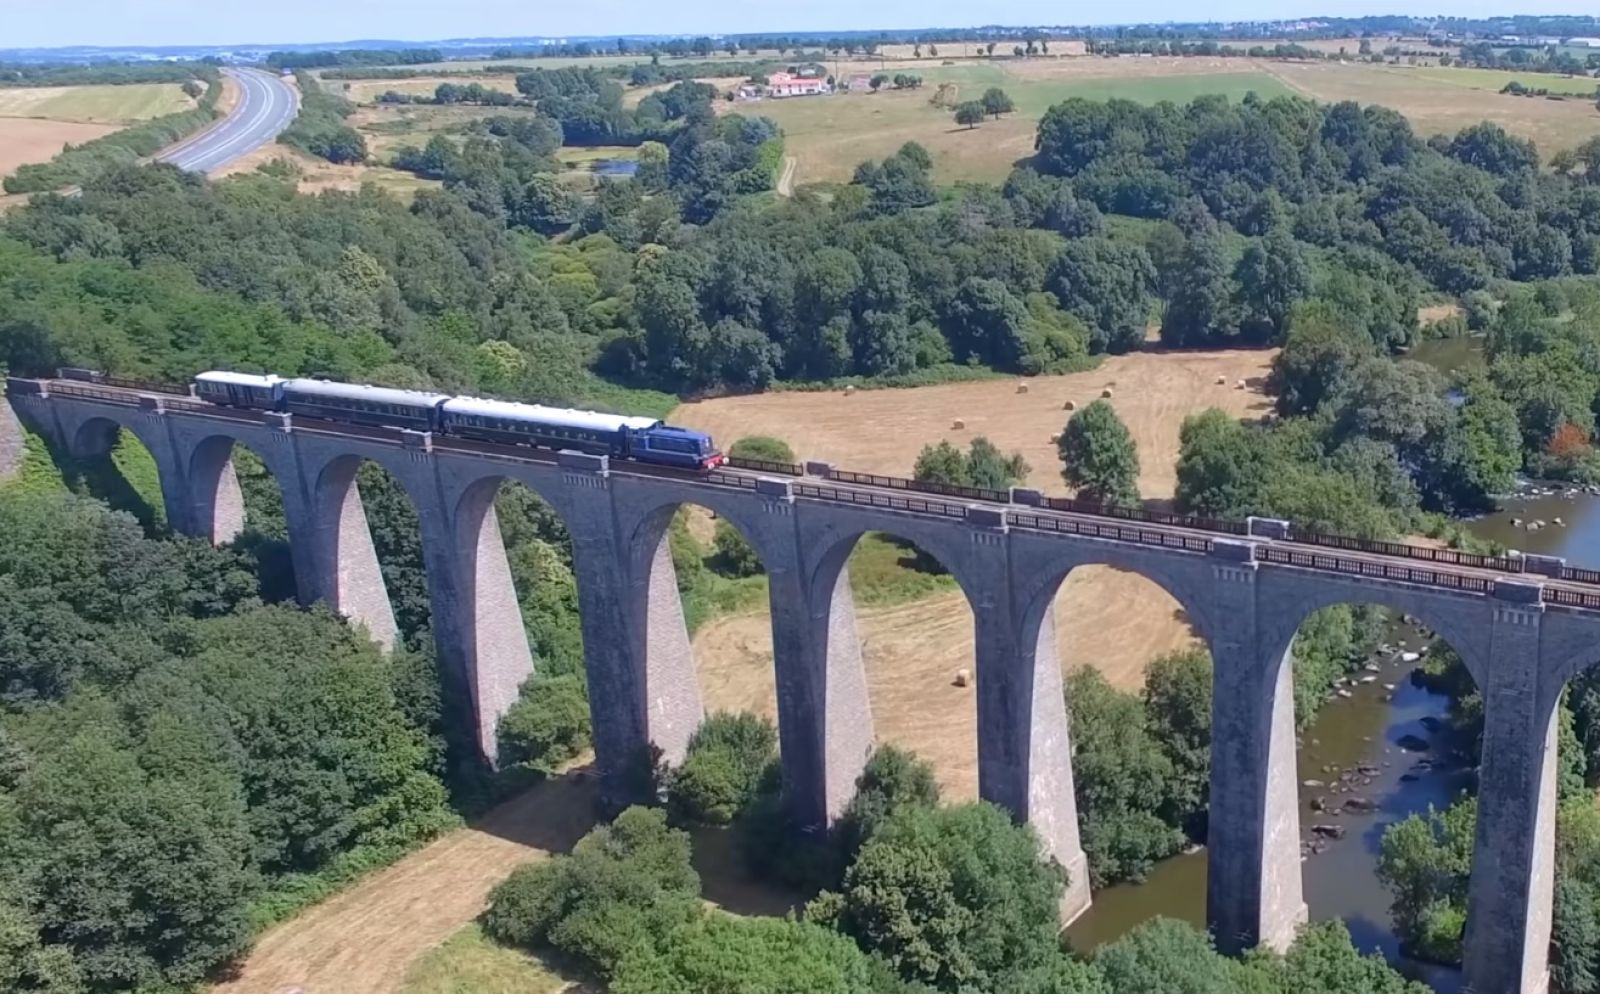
[957, 898]
[730, 758]
[1272, 278]
[624, 889]
[970, 113]
[1424, 861]
[1177, 703]
[1098, 457]
[549, 723]
[1199, 309]
[891, 780]
[995, 102]
[1123, 779]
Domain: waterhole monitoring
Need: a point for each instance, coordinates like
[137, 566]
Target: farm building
[783, 84]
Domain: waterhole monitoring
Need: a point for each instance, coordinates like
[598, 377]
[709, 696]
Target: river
[1363, 732]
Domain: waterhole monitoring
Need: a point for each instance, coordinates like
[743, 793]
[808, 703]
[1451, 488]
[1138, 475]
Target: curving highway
[266, 106]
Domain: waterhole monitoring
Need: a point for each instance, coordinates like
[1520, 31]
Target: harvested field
[368, 91]
[1438, 107]
[1106, 618]
[881, 431]
[95, 104]
[364, 940]
[24, 140]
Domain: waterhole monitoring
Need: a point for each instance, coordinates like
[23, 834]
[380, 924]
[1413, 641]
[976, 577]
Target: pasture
[828, 136]
[94, 104]
[1494, 80]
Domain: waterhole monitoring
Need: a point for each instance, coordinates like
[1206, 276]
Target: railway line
[1275, 542]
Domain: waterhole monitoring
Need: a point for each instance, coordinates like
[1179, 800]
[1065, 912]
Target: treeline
[1485, 55]
[1461, 211]
[75, 165]
[103, 73]
[353, 57]
[180, 762]
[353, 286]
[320, 129]
[588, 103]
[446, 94]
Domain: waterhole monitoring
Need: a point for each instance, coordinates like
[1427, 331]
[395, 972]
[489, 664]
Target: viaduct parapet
[1522, 636]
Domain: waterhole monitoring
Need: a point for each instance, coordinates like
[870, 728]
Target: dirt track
[363, 940]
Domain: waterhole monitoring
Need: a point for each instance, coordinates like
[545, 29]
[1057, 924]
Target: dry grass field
[24, 140]
[95, 104]
[1439, 101]
[368, 91]
[1106, 618]
[881, 431]
[39, 121]
[317, 175]
[828, 136]
[365, 939]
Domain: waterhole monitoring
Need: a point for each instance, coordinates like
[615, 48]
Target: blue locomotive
[642, 439]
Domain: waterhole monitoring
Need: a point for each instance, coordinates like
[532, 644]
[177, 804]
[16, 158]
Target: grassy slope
[1495, 79]
[470, 963]
[135, 102]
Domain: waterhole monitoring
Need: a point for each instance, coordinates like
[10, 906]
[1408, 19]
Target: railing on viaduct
[1286, 543]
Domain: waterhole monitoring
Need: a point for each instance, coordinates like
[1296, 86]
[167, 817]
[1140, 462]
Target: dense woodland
[152, 730]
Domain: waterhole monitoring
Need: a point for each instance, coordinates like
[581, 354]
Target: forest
[152, 730]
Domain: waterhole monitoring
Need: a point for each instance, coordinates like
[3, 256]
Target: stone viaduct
[1522, 637]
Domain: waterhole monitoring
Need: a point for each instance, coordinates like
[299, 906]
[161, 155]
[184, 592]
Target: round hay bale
[1069, 406]
[1022, 388]
[849, 389]
[1240, 385]
[963, 678]
[1055, 439]
[1106, 393]
[958, 424]
[1221, 380]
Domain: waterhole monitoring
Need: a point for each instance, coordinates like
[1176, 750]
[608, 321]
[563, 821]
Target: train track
[1351, 557]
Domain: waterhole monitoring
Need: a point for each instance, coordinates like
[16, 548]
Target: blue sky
[26, 23]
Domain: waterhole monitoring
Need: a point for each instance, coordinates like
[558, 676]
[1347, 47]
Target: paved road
[266, 106]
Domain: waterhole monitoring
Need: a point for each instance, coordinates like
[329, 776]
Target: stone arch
[93, 436]
[675, 689]
[1369, 749]
[1039, 589]
[215, 498]
[919, 661]
[1289, 598]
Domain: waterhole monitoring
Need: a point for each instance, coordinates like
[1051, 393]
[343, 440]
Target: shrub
[729, 758]
[624, 888]
[762, 447]
[720, 954]
[735, 556]
[892, 780]
[549, 723]
[956, 898]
